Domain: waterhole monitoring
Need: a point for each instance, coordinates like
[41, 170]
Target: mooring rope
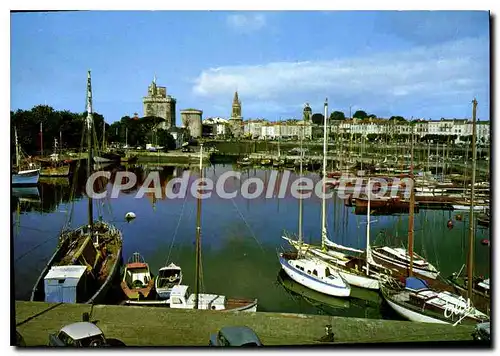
[176, 229]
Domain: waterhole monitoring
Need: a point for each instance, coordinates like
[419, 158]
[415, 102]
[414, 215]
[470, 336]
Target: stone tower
[191, 120]
[307, 113]
[236, 120]
[158, 103]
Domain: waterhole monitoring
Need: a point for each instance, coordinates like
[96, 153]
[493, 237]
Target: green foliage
[138, 132]
[318, 119]
[398, 118]
[69, 125]
[337, 115]
[360, 114]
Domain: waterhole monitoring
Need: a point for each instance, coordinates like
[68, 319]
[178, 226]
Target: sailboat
[398, 257]
[478, 289]
[24, 173]
[312, 272]
[127, 157]
[417, 301]
[87, 259]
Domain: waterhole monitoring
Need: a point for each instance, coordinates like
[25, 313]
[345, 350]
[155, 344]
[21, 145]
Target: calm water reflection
[240, 237]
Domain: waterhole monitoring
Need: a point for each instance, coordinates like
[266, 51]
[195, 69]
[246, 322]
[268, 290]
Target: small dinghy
[167, 278]
[137, 283]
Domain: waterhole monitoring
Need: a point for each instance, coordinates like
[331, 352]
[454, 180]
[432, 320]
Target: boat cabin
[65, 284]
[180, 299]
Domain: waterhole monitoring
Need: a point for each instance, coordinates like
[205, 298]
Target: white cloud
[246, 22]
[441, 74]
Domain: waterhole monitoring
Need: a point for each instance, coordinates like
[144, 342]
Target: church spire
[154, 78]
[236, 100]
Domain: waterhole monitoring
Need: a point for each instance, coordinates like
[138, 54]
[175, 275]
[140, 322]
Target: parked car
[81, 334]
[482, 332]
[235, 336]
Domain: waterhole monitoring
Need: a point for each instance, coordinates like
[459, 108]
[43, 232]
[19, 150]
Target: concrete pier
[143, 326]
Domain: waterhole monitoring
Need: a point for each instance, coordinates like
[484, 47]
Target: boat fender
[485, 241]
[450, 224]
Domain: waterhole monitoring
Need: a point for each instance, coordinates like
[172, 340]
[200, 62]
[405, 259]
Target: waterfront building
[216, 126]
[158, 103]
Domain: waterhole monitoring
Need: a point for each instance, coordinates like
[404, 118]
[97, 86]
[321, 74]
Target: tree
[372, 116]
[337, 115]
[398, 118]
[360, 114]
[318, 119]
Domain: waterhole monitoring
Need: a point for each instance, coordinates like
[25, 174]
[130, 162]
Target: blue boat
[24, 173]
[26, 177]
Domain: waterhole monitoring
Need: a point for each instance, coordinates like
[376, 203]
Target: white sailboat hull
[413, 316]
[467, 207]
[423, 272]
[311, 283]
[359, 281]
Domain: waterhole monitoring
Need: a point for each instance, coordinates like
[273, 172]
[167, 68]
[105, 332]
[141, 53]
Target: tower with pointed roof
[236, 120]
[158, 103]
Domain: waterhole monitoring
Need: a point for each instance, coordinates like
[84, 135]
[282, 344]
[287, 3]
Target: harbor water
[240, 237]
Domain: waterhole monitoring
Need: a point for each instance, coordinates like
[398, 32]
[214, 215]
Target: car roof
[239, 335]
[81, 330]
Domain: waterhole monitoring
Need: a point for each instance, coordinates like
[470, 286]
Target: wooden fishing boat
[87, 258]
[137, 281]
[168, 277]
[83, 267]
[53, 165]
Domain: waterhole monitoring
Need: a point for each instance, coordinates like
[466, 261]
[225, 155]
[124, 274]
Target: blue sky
[420, 64]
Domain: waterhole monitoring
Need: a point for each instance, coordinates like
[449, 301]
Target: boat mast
[412, 206]
[17, 147]
[368, 250]
[323, 201]
[41, 138]
[103, 134]
[300, 196]
[89, 120]
[428, 156]
[470, 267]
[198, 234]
